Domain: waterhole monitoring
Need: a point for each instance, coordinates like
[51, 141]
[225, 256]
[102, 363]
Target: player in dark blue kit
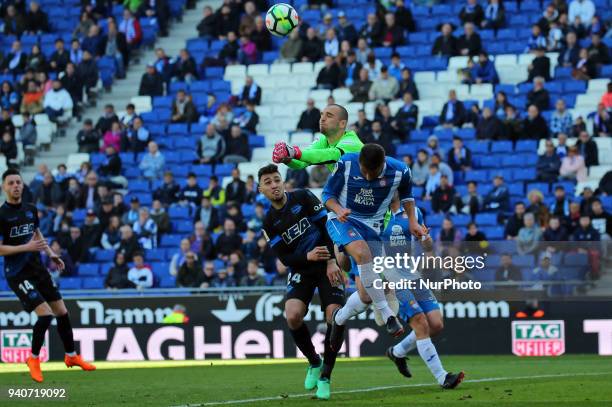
[295, 229]
[28, 278]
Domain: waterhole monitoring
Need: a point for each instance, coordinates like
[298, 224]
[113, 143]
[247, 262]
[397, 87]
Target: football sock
[368, 276]
[329, 356]
[301, 337]
[428, 353]
[407, 345]
[353, 307]
[64, 328]
[38, 333]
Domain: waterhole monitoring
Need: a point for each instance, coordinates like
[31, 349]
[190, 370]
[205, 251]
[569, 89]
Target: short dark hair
[214, 178]
[469, 225]
[138, 253]
[343, 112]
[268, 169]
[372, 156]
[9, 172]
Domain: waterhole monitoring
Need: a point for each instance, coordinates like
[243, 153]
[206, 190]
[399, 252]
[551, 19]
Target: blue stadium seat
[461, 220]
[173, 241]
[494, 233]
[488, 161]
[214, 72]
[477, 176]
[516, 188]
[526, 145]
[167, 281]
[467, 134]
[523, 260]
[183, 226]
[202, 170]
[435, 219]
[486, 219]
[179, 212]
[478, 147]
[92, 283]
[140, 186]
[222, 170]
[576, 260]
[507, 89]
[89, 269]
[69, 283]
[405, 149]
[152, 255]
[525, 174]
[542, 186]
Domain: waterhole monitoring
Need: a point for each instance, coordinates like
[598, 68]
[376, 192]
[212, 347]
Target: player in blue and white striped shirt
[358, 194]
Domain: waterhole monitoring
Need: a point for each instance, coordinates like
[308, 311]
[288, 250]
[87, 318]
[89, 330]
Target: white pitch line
[378, 388]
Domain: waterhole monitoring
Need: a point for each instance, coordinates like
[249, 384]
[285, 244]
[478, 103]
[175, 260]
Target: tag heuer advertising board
[538, 338]
[15, 346]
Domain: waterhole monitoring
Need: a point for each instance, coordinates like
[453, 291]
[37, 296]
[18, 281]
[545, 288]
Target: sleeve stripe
[318, 216]
[275, 241]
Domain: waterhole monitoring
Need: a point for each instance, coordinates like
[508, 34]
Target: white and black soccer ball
[281, 19]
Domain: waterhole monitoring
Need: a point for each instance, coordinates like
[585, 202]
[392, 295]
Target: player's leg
[436, 325]
[357, 302]
[64, 329]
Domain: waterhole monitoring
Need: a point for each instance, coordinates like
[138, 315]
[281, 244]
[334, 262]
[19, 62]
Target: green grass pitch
[573, 380]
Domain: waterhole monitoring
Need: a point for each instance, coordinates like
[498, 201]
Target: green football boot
[323, 389]
[312, 376]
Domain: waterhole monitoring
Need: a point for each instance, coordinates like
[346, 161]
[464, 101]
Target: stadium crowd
[224, 246]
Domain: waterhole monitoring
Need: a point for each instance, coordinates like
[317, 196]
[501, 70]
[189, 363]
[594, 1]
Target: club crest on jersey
[296, 230]
[29, 215]
[383, 182]
[296, 209]
[22, 230]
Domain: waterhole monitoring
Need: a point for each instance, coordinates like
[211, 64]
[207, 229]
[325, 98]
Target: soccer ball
[281, 19]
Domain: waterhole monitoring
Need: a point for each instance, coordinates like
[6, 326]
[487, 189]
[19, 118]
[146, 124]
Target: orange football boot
[34, 366]
[76, 360]
[538, 314]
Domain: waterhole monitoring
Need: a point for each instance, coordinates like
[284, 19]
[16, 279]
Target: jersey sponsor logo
[357, 178]
[22, 230]
[296, 209]
[318, 207]
[296, 230]
[365, 197]
[538, 338]
[16, 344]
[397, 238]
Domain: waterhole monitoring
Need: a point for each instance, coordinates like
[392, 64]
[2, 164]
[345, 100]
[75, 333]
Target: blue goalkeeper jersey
[367, 200]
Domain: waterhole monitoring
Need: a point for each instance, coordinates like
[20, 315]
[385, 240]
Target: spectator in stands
[538, 207]
[484, 71]
[160, 217]
[606, 98]
[95, 42]
[8, 148]
[382, 137]
[472, 12]
[578, 126]
[261, 36]
[129, 243]
[372, 30]
[312, 47]
[384, 88]
[407, 116]
[446, 44]
[105, 121]
[562, 147]
[178, 259]
[331, 45]
[117, 277]
[235, 191]
[151, 83]
[130, 27]
[548, 164]
[515, 222]
[185, 68]
[111, 166]
[237, 146]
[183, 109]
[32, 101]
[14, 22]
[111, 237]
[602, 122]
[582, 9]
[469, 42]
[555, 232]
[6, 125]
[585, 232]
[539, 66]
[291, 50]
[73, 84]
[131, 215]
[569, 53]
[163, 66]
[208, 25]
[444, 168]
[207, 214]
[362, 126]
[554, 39]
[420, 168]
[85, 23]
[494, 15]
[601, 221]
[598, 52]
[534, 125]
[91, 231]
[560, 206]
[191, 192]
[587, 148]
[489, 126]
[549, 15]
[498, 199]
[88, 74]
[573, 166]
[9, 99]
[223, 279]
[228, 241]
[474, 239]
[459, 157]
[57, 101]
[346, 30]
[76, 53]
[469, 204]
[112, 137]
[253, 278]
[360, 89]
[153, 162]
[73, 243]
[561, 119]
[60, 57]
[280, 279]
[15, 61]
[48, 193]
[36, 61]
[536, 39]
[407, 84]
[36, 21]
[113, 45]
[329, 75]
[538, 96]
[585, 69]
[136, 137]
[145, 229]
[168, 191]
[251, 92]
[453, 111]
[392, 34]
[587, 199]
[211, 146]
[215, 191]
[448, 233]
[140, 274]
[529, 236]
[443, 196]
[363, 51]
[309, 119]
[433, 181]
[508, 271]
[247, 54]
[28, 133]
[190, 272]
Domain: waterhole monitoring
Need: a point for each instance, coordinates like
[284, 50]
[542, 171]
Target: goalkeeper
[328, 149]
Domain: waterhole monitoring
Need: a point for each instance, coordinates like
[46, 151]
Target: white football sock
[71, 353]
[407, 345]
[368, 276]
[428, 353]
[353, 307]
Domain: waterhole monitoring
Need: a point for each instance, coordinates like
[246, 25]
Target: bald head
[333, 120]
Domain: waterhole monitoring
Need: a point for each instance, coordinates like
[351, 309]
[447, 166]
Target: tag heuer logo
[538, 338]
[15, 346]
